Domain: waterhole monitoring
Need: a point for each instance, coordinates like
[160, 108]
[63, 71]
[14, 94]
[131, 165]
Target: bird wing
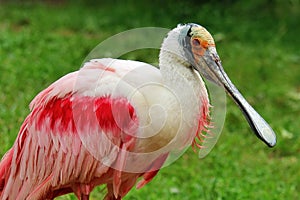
[81, 119]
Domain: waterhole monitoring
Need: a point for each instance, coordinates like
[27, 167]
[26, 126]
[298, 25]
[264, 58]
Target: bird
[115, 122]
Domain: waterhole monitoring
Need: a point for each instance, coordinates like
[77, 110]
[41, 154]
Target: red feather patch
[66, 115]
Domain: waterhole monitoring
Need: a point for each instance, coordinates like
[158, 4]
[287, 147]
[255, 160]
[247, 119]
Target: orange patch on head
[204, 44]
[201, 34]
[199, 46]
[199, 41]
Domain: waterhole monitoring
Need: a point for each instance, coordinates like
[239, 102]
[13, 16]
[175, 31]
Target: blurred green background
[258, 42]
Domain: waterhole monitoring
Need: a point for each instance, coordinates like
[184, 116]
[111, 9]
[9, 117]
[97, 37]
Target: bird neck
[181, 78]
[175, 68]
[190, 92]
[178, 75]
[187, 86]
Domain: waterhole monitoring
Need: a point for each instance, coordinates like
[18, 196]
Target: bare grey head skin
[200, 52]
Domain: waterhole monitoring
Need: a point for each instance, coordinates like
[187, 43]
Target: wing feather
[73, 136]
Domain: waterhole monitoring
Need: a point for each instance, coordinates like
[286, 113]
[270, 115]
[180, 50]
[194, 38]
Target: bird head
[197, 50]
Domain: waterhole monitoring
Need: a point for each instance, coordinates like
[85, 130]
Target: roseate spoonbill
[99, 126]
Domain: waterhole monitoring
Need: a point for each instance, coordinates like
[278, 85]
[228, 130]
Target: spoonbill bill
[115, 121]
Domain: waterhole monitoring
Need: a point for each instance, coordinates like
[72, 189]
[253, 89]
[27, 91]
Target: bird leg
[110, 193]
[82, 191]
[84, 197]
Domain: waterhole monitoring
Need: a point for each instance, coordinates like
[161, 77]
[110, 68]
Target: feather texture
[83, 127]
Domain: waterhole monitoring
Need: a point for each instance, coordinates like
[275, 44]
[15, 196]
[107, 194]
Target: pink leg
[82, 191]
[84, 197]
[110, 193]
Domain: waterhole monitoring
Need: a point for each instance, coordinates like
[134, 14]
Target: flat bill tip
[269, 136]
[260, 127]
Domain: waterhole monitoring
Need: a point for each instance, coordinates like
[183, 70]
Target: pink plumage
[49, 158]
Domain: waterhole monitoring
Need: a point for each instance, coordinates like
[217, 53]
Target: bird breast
[168, 113]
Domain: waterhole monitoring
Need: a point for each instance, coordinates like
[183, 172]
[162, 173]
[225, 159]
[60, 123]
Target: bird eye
[196, 41]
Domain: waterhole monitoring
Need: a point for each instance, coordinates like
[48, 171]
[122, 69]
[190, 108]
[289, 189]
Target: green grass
[258, 43]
